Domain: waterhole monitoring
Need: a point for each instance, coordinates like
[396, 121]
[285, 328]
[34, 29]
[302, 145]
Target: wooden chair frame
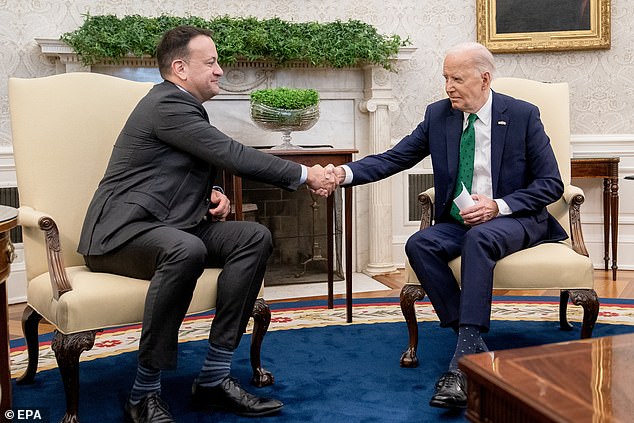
[586, 298]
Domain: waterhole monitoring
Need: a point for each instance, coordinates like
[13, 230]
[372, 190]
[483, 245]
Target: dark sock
[216, 367]
[147, 381]
[469, 342]
[455, 327]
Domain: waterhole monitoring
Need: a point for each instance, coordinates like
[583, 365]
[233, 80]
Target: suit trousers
[480, 247]
[173, 260]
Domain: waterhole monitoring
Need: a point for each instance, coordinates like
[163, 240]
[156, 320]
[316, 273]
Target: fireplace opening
[298, 223]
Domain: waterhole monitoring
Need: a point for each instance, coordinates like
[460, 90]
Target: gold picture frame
[518, 26]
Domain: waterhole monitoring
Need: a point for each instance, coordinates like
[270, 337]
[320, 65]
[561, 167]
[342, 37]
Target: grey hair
[481, 56]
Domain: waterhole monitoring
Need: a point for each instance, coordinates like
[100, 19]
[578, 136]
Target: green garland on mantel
[334, 44]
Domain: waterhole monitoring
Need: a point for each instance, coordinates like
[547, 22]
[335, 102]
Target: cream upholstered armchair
[64, 128]
[563, 265]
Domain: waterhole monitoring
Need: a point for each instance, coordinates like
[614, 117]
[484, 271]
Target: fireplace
[355, 114]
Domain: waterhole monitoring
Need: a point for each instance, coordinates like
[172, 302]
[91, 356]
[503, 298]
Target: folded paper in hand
[464, 200]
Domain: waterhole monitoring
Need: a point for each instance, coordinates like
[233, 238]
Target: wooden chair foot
[67, 350]
[588, 299]
[564, 295]
[30, 323]
[261, 320]
[409, 295]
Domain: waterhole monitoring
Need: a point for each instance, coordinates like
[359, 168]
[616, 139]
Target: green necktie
[465, 167]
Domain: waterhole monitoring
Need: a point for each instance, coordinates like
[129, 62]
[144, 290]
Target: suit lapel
[499, 127]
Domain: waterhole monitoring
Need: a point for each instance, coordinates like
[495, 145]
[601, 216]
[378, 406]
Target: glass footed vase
[284, 121]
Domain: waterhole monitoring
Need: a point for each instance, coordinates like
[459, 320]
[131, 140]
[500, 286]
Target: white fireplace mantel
[355, 107]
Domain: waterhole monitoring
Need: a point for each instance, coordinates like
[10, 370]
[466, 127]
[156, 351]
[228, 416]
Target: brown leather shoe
[151, 409]
[451, 391]
[229, 396]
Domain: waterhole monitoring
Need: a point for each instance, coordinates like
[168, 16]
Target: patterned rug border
[312, 314]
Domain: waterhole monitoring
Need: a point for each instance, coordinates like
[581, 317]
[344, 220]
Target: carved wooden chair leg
[261, 320]
[409, 295]
[30, 322]
[563, 311]
[67, 350]
[588, 299]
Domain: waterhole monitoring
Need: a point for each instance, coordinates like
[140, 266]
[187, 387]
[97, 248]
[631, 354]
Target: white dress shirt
[482, 181]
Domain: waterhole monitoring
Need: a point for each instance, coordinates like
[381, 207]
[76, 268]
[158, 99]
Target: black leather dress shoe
[451, 391]
[151, 409]
[229, 396]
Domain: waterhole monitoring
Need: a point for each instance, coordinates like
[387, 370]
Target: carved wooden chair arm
[574, 197]
[28, 217]
[426, 199]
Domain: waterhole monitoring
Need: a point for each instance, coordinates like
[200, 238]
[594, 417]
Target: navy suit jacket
[523, 166]
[162, 169]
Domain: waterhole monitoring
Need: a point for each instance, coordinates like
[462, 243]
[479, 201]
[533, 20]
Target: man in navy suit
[157, 215]
[515, 176]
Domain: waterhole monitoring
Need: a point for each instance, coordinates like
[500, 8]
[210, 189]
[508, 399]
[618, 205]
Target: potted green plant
[285, 110]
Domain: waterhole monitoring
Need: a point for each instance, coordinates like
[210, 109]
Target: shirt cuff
[218, 188]
[503, 208]
[349, 176]
[304, 175]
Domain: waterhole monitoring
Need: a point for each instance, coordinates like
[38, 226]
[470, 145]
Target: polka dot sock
[469, 342]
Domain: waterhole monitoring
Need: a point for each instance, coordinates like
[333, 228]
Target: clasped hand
[321, 180]
[324, 180]
[484, 210]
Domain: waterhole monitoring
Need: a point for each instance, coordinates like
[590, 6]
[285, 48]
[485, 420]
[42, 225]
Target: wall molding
[7, 168]
[620, 145]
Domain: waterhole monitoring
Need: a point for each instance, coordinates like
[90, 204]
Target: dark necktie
[465, 167]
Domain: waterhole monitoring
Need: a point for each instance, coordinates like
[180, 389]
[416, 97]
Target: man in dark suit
[156, 215]
[514, 177]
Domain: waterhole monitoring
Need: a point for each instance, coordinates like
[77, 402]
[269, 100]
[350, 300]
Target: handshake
[324, 180]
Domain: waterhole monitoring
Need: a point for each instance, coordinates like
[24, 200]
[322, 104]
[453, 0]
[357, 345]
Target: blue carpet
[340, 373]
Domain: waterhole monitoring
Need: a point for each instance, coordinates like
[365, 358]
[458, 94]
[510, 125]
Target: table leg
[614, 220]
[5, 363]
[348, 237]
[330, 248]
[606, 222]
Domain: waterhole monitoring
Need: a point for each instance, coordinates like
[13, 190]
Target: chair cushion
[552, 265]
[100, 300]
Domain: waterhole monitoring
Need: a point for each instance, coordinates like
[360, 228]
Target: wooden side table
[606, 168]
[310, 157]
[8, 220]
